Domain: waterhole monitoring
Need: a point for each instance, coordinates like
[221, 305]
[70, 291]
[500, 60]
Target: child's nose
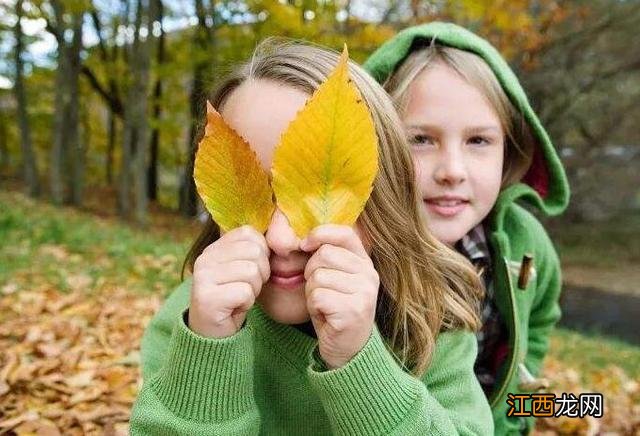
[450, 168]
[280, 236]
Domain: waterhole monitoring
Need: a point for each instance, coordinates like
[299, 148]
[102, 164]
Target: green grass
[588, 354]
[42, 244]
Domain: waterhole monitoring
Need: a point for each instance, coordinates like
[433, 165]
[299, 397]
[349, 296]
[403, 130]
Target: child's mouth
[444, 206]
[287, 280]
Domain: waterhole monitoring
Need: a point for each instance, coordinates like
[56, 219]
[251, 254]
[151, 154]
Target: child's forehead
[439, 95]
[260, 111]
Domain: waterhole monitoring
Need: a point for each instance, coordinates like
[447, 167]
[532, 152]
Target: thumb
[318, 320]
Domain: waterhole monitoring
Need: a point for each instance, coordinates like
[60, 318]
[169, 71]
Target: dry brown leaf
[87, 395]
[4, 387]
[116, 429]
[82, 379]
[41, 427]
[78, 282]
[9, 288]
[51, 349]
[8, 424]
[72, 357]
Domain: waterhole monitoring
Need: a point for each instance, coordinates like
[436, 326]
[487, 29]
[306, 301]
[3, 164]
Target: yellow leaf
[324, 167]
[234, 187]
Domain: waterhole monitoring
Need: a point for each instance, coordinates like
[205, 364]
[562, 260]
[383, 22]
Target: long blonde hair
[425, 286]
[519, 140]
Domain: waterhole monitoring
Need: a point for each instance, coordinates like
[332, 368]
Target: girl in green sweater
[478, 148]
[363, 330]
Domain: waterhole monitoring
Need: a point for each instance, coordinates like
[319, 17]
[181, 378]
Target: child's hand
[341, 291]
[227, 278]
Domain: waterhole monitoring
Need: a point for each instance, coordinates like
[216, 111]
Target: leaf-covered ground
[76, 292]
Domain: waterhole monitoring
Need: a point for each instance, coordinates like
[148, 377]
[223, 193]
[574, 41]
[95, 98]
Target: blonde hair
[425, 286]
[519, 140]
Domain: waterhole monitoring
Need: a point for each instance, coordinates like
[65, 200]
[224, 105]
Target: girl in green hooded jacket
[478, 147]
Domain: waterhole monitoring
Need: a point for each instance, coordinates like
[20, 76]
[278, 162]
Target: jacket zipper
[515, 346]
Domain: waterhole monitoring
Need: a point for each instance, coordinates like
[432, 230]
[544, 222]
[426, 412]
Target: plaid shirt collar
[474, 246]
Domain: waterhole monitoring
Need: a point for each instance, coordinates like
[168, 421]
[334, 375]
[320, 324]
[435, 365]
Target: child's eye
[479, 140]
[420, 140]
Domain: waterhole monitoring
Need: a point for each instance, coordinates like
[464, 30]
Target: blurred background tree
[104, 98]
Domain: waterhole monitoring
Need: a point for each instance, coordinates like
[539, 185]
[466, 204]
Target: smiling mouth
[446, 207]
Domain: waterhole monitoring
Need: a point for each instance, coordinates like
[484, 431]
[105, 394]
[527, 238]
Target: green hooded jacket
[530, 307]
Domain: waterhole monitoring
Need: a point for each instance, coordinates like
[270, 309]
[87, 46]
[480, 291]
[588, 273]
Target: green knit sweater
[268, 379]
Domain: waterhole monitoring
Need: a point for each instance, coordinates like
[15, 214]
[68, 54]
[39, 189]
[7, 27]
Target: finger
[322, 301]
[339, 281]
[333, 257]
[237, 295]
[334, 234]
[238, 250]
[247, 233]
[227, 297]
[241, 271]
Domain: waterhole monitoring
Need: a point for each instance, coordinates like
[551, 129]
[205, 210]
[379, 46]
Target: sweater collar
[293, 344]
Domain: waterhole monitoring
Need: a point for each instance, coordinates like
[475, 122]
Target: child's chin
[290, 317]
[449, 232]
[286, 311]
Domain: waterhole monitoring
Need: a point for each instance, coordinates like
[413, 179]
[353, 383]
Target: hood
[545, 184]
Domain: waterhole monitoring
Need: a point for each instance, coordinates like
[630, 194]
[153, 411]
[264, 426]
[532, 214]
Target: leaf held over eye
[229, 179]
[324, 167]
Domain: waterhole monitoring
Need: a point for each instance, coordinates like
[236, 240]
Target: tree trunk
[152, 171]
[66, 168]
[29, 167]
[128, 130]
[203, 43]
[4, 149]
[124, 182]
[76, 144]
[136, 142]
[58, 150]
[157, 113]
[111, 145]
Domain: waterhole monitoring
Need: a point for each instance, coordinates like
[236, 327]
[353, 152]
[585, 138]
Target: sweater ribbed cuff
[206, 379]
[370, 395]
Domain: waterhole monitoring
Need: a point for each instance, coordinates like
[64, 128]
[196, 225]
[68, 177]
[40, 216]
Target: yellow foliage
[324, 167]
[234, 187]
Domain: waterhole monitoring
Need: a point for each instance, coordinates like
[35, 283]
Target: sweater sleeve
[204, 387]
[372, 395]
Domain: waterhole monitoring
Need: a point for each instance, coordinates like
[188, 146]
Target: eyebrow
[479, 129]
[467, 130]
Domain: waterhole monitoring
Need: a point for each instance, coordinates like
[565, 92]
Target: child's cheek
[423, 173]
